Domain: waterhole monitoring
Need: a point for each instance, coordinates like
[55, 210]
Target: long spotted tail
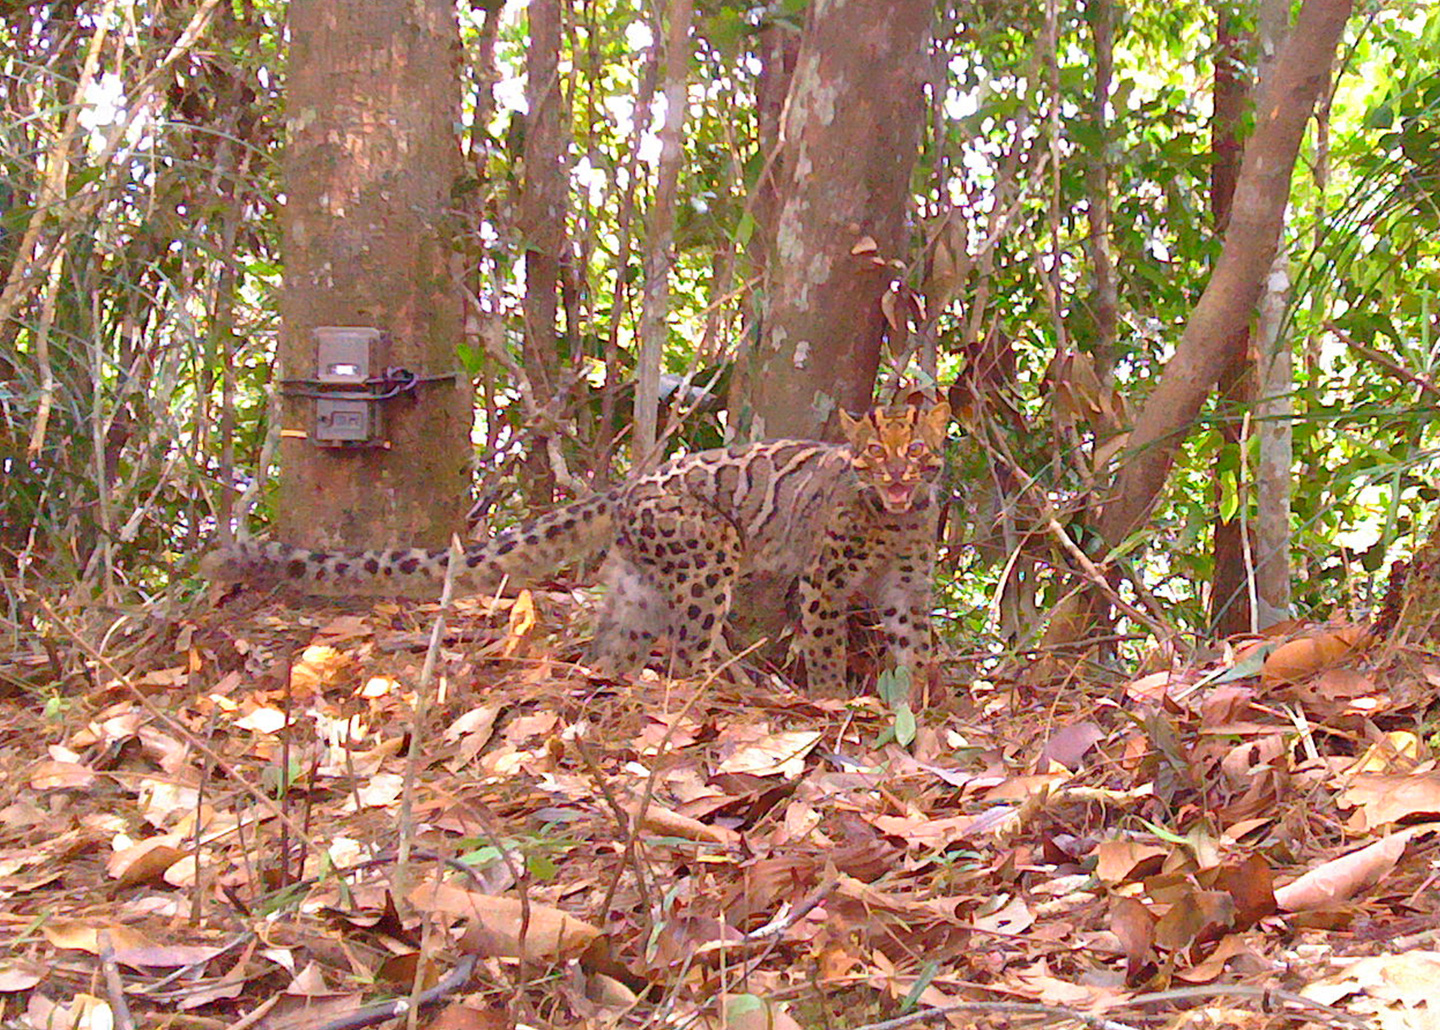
[520, 554]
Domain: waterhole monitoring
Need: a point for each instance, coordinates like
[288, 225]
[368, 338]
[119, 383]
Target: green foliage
[153, 293]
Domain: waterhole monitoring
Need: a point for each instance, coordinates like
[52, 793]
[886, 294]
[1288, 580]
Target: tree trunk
[1275, 383]
[369, 167]
[542, 222]
[778, 49]
[1230, 581]
[856, 107]
[1301, 71]
[659, 253]
[1105, 303]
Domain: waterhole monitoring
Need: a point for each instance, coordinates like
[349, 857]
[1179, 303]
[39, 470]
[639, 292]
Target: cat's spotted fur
[842, 521]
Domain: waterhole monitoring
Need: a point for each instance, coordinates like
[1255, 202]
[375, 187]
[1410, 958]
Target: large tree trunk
[1207, 345]
[856, 106]
[369, 167]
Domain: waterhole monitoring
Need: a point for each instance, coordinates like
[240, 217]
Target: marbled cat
[842, 522]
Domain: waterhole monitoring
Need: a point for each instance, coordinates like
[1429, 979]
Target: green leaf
[927, 974]
[745, 229]
[894, 686]
[472, 358]
[904, 724]
[740, 1008]
[1229, 497]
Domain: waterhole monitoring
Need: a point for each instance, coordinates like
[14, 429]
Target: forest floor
[270, 814]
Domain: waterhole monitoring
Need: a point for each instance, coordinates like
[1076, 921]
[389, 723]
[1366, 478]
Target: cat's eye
[917, 448]
[875, 450]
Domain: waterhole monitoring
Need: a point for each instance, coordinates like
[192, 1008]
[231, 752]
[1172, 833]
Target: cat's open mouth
[897, 497]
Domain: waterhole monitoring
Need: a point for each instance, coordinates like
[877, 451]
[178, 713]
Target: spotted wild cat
[841, 521]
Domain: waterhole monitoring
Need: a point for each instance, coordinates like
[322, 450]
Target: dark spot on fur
[505, 547]
[697, 590]
[708, 623]
[372, 565]
[295, 568]
[409, 565]
[693, 612]
[341, 568]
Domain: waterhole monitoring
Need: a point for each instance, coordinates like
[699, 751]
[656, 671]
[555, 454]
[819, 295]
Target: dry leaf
[145, 861]
[1195, 918]
[496, 923]
[1134, 925]
[60, 776]
[80, 935]
[522, 621]
[887, 308]
[1388, 798]
[262, 720]
[782, 753]
[1120, 860]
[1230, 947]
[456, 1016]
[659, 819]
[1068, 745]
[1344, 877]
[1400, 985]
[751, 1012]
[1396, 751]
[1251, 887]
[1297, 659]
[318, 667]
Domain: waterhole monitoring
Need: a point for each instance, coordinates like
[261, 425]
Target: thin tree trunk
[614, 372]
[1276, 383]
[659, 255]
[542, 221]
[778, 49]
[1285, 104]
[1105, 303]
[1230, 581]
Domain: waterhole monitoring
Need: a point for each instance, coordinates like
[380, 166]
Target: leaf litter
[247, 826]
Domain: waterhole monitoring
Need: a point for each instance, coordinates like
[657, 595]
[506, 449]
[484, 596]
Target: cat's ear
[934, 422]
[852, 426]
